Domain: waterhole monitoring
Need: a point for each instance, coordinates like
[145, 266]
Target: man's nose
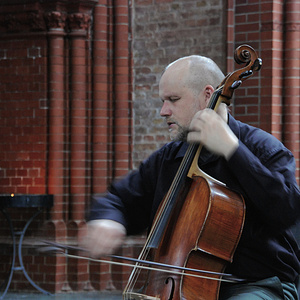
[165, 110]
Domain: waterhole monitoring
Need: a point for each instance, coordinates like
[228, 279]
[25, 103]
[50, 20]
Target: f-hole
[172, 286]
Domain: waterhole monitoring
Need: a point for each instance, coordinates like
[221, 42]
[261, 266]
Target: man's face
[180, 103]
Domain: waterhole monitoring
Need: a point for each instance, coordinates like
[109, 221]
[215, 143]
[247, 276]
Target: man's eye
[173, 99]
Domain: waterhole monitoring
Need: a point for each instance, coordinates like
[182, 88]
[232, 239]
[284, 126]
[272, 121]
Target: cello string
[134, 276]
[172, 190]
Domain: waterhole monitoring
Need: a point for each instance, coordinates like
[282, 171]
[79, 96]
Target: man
[245, 158]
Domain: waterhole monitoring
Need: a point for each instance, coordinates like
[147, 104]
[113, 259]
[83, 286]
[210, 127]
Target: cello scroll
[243, 54]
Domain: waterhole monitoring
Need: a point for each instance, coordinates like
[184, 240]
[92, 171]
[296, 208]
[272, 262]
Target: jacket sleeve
[129, 200]
[266, 171]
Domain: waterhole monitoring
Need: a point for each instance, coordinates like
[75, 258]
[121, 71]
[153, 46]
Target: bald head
[196, 72]
[185, 88]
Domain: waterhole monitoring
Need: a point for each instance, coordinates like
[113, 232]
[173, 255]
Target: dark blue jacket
[261, 169]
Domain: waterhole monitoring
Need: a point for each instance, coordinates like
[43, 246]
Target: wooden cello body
[219, 221]
[197, 226]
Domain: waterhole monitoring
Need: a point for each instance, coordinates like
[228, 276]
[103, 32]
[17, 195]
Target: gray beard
[181, 136]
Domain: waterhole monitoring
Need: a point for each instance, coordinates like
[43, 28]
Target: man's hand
[211, 130]
[103, 237]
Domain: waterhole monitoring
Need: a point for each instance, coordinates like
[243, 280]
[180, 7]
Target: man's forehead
[171, 86]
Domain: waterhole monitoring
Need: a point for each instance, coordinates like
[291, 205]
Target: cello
[198, 224]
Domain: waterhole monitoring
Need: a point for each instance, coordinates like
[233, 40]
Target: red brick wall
[166, 30]
[23, 116]
[67, 118]
[23, 123]
[46, 123]
[80, 106]
[162, 32]
[271, 99]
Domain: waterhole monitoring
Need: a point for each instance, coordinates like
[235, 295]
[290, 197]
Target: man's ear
[208, 91]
